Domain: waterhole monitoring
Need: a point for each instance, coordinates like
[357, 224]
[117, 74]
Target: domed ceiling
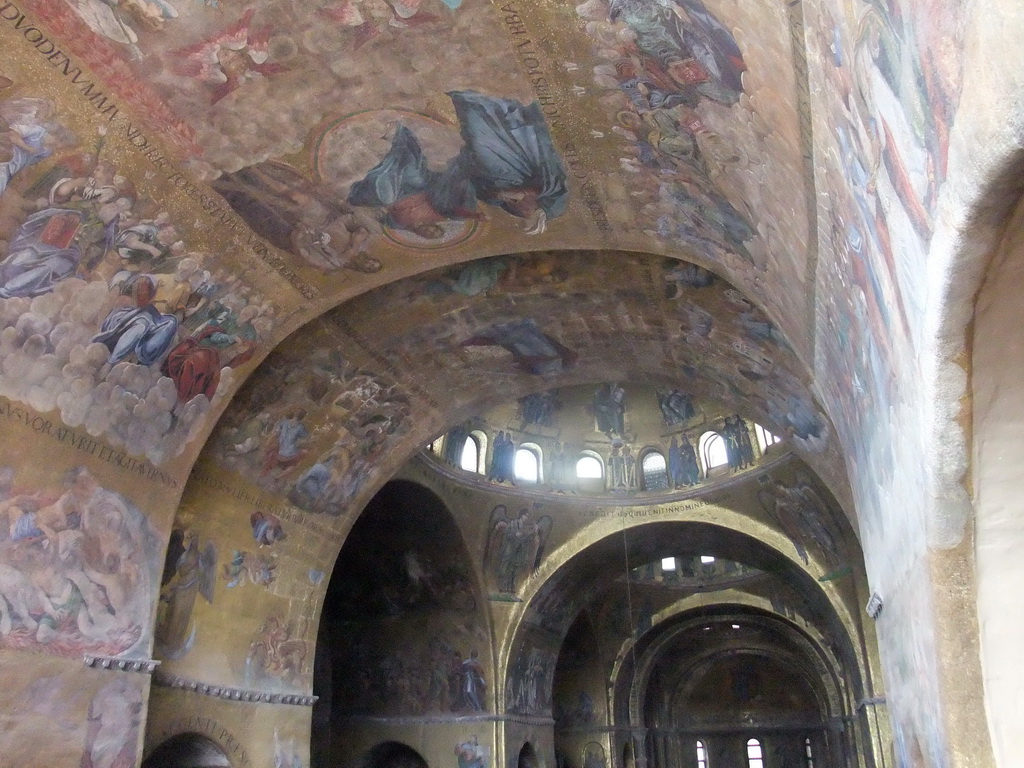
[471, 337]
[644, 440]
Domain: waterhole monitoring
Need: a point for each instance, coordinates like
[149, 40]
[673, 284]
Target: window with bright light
[589, 468]
[755, 757]
[765, 438]
[668, 563]
[712, 451]
[654, 471]
[808, 754]
[470, 458]
[702, 755]
[705, 559]
[527, 466]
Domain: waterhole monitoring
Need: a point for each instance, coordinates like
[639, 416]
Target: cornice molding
[442, 719]
[232, 694]
[145, 666]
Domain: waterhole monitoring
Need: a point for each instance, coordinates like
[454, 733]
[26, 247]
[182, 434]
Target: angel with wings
[188, 572]
[228, 59]
[803, 516]
[515, 547]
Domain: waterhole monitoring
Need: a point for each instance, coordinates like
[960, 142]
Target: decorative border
[455, 719]
[232, 694]
[146, 666]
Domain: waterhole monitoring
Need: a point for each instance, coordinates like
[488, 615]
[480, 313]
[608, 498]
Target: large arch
[833, 173]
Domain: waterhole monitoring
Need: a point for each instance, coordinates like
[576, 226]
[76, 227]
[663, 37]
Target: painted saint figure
[507, 161]
[474, 684]
[471, 754]
[286, 450]
[610, 409]
[29, 135]
[300, 216]
[188, 572]
[533, 350]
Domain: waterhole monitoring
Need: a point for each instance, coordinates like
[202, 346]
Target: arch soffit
[558, 565]
[630, 681]
[460, 546]
[826, 699]
[435, 335]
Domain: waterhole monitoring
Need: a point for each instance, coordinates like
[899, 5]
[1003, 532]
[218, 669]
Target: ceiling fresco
[500, 328]
[671, 128]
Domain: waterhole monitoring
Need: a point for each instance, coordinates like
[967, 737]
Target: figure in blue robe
[507, 161]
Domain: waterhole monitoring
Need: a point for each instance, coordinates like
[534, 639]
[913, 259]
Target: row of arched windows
[653, 472]
[755, 754]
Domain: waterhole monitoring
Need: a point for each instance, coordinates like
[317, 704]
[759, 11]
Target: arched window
[470, 459]
[702, 755]
[590, 472]
[765, 438]
[755, 756]
[528, 463]
[589, 467]
[712, 451]
[480, 439]
[654, 472]
[808, 755]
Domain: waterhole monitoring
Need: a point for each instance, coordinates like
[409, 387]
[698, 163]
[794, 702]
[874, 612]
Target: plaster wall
[998, 384]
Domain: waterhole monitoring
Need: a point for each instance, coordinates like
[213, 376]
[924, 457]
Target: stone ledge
[232, 694]
[146, 666]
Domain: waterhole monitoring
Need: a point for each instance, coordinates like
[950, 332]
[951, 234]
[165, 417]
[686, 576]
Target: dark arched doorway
[403, 636]
[187, 750]
[393, 754]
[528, 757]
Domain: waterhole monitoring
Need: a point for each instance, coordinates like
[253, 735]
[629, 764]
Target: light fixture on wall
[874, 606]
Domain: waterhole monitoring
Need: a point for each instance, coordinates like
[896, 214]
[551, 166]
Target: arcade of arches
[468, 384]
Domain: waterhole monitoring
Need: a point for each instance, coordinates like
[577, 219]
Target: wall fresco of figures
[46, 698]
[403, 614]
[116, 312]
[474, 306]
[887, 80]
[80, 565]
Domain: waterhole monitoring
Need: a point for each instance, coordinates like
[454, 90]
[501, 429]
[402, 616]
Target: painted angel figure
[400, 14]
[515, 547]
[803, 516]
[228, 59]
[507, 161]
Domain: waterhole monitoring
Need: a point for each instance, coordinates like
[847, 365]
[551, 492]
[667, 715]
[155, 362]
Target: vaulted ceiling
[380, 217]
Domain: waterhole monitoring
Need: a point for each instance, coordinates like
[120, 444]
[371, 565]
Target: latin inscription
[212, 206]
